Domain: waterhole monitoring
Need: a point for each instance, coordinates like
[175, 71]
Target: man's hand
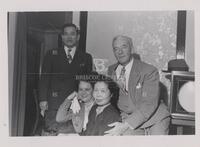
[124, 116]
[43, 107]
[119, 129]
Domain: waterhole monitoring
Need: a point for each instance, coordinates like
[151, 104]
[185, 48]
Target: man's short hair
[70, 25]
[128, 39]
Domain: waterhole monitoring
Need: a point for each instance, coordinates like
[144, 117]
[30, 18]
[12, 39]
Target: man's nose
[120, 52]
[97, 93]
[83, 92]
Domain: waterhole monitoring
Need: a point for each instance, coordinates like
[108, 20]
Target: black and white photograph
[68, 66]
[79, 73]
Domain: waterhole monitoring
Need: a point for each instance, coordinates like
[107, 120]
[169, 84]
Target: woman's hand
[72, 96]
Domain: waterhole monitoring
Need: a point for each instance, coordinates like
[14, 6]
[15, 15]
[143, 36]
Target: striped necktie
[69, 56]
[122, 79]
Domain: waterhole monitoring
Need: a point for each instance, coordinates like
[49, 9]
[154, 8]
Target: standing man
[141, 111]
[59, 69]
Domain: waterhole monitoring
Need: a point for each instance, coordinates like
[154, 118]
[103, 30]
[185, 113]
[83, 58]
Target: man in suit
[59, 69]
[141, 111]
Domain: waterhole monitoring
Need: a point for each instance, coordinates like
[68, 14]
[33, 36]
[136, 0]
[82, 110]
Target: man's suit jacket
[65, 114]
[58, 76]
[143, 90]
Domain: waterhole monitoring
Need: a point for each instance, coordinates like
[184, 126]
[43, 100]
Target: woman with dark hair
[104, 111]
[76, 107]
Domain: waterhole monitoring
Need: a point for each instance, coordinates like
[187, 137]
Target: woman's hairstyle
[94, 77]
[89, 77]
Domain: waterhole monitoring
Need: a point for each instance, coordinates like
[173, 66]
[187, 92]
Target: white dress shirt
[73, 50]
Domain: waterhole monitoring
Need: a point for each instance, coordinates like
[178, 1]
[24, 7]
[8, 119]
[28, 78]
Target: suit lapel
[63, 55]
[76, 57]
[82, 113]
[133, 78]
[113, 72]
[134, 74]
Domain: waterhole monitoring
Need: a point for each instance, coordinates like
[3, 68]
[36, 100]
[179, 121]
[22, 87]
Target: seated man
[141, 111]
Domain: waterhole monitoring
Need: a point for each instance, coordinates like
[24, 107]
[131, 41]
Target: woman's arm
[64, 112]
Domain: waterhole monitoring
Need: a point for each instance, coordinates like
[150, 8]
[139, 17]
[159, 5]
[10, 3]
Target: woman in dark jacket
[104, 112]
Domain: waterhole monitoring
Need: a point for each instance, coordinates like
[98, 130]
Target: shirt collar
[101, 108]
[127, 66]
[73, 50]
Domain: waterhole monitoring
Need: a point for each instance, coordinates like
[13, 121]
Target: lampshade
[186, 96]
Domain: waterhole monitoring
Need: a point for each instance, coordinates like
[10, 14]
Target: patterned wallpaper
[153, 34]
[156, 39]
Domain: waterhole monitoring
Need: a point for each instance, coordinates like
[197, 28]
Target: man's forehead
[121, 40]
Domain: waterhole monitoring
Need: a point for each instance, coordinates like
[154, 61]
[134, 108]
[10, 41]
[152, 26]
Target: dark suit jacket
[58, 76]
[143, 90]
[97, 125]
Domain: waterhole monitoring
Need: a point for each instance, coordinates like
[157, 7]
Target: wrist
[127, 125]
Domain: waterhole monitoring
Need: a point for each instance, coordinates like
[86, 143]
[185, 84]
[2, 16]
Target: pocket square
[138, 86]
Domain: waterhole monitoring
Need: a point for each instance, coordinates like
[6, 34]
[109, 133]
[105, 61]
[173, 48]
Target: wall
[153, 34]
[189, 44]
[48, 20]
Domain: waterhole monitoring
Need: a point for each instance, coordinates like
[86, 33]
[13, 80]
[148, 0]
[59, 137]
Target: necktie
[122, 79]
[69, 56]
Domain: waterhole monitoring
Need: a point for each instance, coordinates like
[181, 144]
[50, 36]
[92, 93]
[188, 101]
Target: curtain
[19, 77]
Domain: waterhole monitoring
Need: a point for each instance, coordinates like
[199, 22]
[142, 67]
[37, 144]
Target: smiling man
[141, 111]
[58, 74]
